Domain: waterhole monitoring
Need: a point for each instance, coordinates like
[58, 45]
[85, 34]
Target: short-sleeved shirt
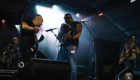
[13, 48]
[126, 48]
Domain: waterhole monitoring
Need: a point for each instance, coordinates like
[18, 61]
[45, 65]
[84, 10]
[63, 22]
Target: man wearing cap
[15, 40]
[14, 46]
[12, 52]
[71, 46]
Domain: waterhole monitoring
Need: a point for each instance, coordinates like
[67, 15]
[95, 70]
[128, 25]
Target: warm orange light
[100, 14]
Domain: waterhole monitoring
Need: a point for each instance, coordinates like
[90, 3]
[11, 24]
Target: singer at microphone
[51, 29]
[27, 41]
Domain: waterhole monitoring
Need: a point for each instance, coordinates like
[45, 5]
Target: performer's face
[132, 38]
[68, 19]
[40, 21]
[15, 41]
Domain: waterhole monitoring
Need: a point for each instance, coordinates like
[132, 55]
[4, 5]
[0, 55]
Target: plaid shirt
[126, 48]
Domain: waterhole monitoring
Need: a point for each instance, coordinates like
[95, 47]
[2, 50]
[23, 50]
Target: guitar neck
[129, 51]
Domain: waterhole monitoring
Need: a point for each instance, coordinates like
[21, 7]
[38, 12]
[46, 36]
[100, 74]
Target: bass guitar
[126, 55]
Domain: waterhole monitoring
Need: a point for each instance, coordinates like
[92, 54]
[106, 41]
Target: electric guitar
[126, 55]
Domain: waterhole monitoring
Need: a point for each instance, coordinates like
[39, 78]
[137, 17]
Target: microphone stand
[59, 40]
[95, 41]
[21, 13]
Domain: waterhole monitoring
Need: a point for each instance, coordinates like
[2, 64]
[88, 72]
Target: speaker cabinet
[51, 70]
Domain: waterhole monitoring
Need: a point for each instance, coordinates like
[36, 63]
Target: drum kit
[8, 57]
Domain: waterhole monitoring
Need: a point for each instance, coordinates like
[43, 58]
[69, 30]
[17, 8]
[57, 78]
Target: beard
[67, 22]
[38, 25]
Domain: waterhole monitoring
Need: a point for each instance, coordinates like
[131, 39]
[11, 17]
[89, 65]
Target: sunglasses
[41, 19]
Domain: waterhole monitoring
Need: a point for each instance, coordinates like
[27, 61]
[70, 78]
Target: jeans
[131, 64]
[69, 55]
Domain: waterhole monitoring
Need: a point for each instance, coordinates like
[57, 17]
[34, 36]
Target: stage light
[100, 14]
[132, 1]
[51, 19]
[17, 27]
[77, 15]
[62, 15]
[3, 21]
[83, 20]
[54, 7]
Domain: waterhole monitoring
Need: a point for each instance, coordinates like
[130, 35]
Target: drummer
[14, 46]
[12, 51]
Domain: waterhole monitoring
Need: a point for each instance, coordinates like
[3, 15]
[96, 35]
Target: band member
[131, 60]
[12, 51]
[27, 42]
[69, 55]
[14, 46]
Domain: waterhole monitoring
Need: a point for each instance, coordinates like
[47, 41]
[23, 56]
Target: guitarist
[131, 58]
[71, 46]
[28, 40]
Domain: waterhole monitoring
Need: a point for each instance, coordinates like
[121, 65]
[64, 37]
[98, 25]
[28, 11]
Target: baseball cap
[15, 38]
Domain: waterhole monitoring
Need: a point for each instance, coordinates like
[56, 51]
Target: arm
[123, 50]
[26, 27]
[136, 50]
[79, 29]
[77, 35]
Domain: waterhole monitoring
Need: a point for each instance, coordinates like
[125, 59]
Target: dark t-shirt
[74, 42]
[28, 38]
[13, 48]
[28, 35]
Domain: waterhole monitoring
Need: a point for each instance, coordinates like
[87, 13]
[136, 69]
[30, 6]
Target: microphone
[50, 29]
[83, 21]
